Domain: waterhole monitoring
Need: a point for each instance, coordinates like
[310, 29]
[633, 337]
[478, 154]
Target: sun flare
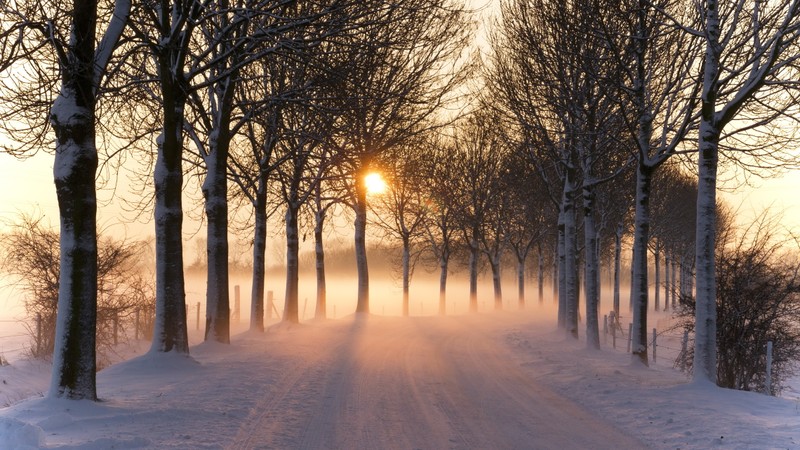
[375, 183]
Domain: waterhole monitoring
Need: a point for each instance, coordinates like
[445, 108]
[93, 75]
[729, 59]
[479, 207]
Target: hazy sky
[27, 186]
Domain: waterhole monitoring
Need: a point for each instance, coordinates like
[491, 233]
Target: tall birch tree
[748, 48]
[658, 94]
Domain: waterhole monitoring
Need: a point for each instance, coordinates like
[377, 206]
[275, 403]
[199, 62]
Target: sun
[375, 183]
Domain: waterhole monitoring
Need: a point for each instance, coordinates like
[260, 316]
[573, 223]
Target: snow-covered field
[489, 380]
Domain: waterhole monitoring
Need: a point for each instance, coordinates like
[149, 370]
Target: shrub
[31, 258]
[758, 300]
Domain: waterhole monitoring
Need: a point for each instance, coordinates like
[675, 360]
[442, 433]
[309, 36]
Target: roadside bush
[758, 300]
[31, 258]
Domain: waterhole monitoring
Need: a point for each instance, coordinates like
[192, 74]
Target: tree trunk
[496, 281]
[667, 285]
[541, 275]
[259, 257]
[617, 266]
[473, 273]
[521, 282]
[570, 263]
[361, 245]
[444, 260]
[705, 351]
[169, 331]
[72, 117]
[591, 270]
[215, 191]
[556, 272]
[705, 343]
[641, 236]
[562, 280]
[321, 311]
[657, 261]
[406, 273]
[291, 306]
[674, 283]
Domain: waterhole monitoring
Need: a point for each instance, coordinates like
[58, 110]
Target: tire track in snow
[415, 383]
[272, 422]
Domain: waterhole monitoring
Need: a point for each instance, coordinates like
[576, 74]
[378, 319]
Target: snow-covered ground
[489, 380]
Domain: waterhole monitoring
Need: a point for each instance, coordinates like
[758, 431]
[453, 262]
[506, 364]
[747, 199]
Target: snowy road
[478, 381]
[414, 384]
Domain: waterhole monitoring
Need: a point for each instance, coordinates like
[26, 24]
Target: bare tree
[400, 69]
[749, 46]
[526, 225]
[441, 177]
[165, 31]
[262, 96]
[402, 210]
[657, 93]
[60, 43]
[479, 168]
[305, 162]
[553, 78]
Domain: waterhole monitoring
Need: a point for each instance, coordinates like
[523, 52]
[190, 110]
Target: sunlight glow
[375, 183]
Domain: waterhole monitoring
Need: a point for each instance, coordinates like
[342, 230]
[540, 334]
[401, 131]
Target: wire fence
[670, 344]
[15, 340]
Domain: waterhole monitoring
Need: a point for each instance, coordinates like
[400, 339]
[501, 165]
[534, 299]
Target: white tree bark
[639, 292]
[657, 281]
[590, 278]
[259, 257]
[705, 342]
[570, 261]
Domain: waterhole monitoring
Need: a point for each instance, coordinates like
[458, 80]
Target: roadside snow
[500, 380]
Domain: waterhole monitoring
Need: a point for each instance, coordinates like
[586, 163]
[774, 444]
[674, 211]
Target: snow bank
[15, 434]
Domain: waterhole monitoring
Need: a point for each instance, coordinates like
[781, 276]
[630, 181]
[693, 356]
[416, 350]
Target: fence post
[269, 305]
[605, 328]
[655, 346]
[768, 380]
[197, 324]
[630, 335]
